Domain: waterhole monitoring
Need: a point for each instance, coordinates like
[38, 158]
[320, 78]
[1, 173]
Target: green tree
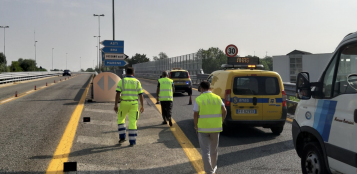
[267, 62]
[3, 63]
[90, 70]
[27, 64]
[161, 55]
[15, 67]
[212, 59]
[137, 58]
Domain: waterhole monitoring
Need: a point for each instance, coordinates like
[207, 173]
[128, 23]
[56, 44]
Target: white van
[325, 126]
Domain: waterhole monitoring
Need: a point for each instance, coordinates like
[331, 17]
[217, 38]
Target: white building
[288, 66]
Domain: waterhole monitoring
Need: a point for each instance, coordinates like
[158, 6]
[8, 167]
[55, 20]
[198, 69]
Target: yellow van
[182, 80]
[253, 97]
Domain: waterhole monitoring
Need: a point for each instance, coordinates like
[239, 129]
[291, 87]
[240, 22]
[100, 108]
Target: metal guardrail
[8, 77]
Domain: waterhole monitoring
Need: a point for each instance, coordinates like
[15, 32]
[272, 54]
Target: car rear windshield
[66, 71]
[256, 85]
[179, 74]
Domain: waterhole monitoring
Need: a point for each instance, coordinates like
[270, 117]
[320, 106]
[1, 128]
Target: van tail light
[284, 98]
[170, 75]
[227, 97]
[188, 74]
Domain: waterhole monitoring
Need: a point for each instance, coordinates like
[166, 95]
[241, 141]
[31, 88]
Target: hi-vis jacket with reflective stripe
[130, 88]
[165, 93]
[210, 113]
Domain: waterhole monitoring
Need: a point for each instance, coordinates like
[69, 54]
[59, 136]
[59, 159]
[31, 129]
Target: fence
[8, 77]
[153, 69]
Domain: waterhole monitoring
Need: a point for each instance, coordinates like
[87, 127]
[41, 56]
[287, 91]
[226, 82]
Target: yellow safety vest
[130, 88]
[210, 113]
[165, 93]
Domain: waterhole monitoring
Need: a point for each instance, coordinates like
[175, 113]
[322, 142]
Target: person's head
[130, 71]
[205, 86]
[164, 74]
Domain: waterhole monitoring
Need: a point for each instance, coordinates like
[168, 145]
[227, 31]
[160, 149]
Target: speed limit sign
[231, 50]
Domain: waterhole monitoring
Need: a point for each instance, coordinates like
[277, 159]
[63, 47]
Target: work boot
[122, 141]
[164, 122]
[170, 123]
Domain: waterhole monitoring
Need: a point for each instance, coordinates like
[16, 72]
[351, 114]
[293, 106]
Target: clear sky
[176, 27]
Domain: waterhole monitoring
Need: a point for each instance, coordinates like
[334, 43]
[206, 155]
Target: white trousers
[209, 150]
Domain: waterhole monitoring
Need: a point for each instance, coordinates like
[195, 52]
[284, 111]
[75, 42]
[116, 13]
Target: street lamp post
[4, 45]
[98, 38]
[99, 15]
[52, 59]
[80, 62]
[35, 54]
[66, 60]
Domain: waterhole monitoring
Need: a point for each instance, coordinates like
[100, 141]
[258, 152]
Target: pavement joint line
[191, 152]
[21, 95]
[64, 147]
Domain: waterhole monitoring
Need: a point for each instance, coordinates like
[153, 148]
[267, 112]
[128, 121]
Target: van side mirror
[303, 86]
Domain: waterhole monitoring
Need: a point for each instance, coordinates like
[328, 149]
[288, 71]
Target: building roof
[298, 52]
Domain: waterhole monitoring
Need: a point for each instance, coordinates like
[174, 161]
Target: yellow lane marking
[191, 152]
[24, 94]
[64, 147]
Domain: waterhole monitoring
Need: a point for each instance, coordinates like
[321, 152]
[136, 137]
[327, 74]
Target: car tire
[277, 130]
[312, 159]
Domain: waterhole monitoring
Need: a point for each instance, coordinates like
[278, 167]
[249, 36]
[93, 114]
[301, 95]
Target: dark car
[67, 73]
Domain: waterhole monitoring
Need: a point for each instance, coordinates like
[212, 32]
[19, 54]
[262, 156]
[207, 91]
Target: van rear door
[272, 94]
[246, 102]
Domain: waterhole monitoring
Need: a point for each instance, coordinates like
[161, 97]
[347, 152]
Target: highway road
[33, 126]
[247, 150]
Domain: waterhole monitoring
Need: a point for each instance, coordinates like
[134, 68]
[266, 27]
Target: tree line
[19, 66]
[212, 59]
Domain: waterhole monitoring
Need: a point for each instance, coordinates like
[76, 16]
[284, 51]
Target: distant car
[67, 73]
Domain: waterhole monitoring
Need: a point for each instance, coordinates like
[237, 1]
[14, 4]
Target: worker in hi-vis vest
[209, 113]
[164, 94]
[129, 90]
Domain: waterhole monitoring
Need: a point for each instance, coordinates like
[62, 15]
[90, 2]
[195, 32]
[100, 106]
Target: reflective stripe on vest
[210, 113]
[129, 89]
[165, 93]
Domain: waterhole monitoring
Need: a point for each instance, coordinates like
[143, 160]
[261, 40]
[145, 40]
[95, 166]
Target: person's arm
[117, 98]
[224, 112]
[173, 87]
[195, 120]
[141, 98]
[157, 93]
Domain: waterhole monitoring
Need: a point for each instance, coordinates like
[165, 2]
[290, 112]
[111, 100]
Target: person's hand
[116, 109]
[141, 109]
[196, 131]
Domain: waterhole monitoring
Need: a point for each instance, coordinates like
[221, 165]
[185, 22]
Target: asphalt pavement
[32, 126]
[9, 89]
[243, 150]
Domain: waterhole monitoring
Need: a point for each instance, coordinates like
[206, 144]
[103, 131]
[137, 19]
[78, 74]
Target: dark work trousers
[166, 109]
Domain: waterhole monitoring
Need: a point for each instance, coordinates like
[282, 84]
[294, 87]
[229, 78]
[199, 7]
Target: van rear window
[256, 85]
[179, 74]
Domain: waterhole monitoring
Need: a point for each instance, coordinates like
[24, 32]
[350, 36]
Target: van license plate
[246, 111]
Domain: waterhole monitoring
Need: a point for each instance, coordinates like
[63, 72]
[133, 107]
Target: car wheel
[312, 160]
[277, 130]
